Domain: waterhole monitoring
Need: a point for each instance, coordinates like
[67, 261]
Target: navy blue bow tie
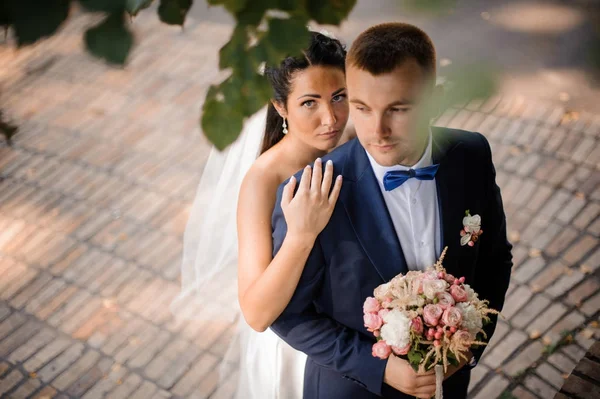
[396, 178]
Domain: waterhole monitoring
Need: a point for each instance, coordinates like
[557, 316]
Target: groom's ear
[280, 108]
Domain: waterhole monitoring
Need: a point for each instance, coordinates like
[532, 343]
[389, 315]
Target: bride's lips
[330, 134]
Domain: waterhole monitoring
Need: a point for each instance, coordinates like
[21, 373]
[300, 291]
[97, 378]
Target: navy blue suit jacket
[359, 250]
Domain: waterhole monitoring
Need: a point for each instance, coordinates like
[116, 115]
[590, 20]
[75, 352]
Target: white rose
[382, 291]
[471, 294]
[396, 330]
[432, 287]
[471, 318]
[472, 223]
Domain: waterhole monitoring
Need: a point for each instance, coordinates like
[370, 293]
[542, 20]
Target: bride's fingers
[315, 185]
[335, 193]
[305, 180]
[327, 179]
[288, 191]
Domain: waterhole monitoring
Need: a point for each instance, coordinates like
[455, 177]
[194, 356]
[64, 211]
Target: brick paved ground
[95, 192]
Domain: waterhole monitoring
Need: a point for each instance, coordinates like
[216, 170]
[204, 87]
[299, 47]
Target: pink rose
[401, 351]
[371, 305]
[373, 321]
[432, 314]
[452, 317]
[417, 325]
[381, 350]
[458, 293]
[449, 278]
[445, 300]
[383, 312]
[462, 337]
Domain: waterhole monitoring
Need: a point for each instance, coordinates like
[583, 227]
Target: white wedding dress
[268, 367]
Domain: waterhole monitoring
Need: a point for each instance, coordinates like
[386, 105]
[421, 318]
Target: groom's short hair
[382, 48]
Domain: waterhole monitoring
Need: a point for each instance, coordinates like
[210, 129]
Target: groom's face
[387, 111]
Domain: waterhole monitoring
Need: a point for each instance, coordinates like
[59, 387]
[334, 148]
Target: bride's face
[387, 111]
[317, 106]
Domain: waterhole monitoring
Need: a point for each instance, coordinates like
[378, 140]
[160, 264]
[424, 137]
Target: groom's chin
[384, 155]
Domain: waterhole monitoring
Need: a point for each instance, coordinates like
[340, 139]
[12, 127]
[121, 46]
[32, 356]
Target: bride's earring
[285, 131]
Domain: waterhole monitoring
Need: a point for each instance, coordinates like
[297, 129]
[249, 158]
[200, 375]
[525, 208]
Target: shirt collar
[426, 160]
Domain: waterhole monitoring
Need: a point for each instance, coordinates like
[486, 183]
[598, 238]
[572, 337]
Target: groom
[383, 226]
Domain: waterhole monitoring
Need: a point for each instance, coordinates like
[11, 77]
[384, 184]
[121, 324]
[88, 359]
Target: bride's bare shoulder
[263, 177]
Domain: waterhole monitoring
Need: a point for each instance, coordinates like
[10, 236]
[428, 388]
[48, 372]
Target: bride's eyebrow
[335, 93]
[338, 91]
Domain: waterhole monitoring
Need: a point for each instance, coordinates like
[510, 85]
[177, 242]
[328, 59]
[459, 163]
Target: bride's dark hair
[323, 51]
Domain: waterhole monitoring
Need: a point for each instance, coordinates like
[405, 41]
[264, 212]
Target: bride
[304, 121]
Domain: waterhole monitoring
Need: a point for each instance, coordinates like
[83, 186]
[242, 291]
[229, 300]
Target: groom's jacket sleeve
[327, 342]
[494, 263]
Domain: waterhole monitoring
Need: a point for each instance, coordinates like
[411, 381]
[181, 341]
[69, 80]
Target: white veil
[209, 265]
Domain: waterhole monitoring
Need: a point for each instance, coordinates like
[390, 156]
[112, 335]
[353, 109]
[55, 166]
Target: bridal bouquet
[429, 318]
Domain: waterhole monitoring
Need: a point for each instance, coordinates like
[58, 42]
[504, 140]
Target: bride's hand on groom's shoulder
[401, 376]
[308, 211]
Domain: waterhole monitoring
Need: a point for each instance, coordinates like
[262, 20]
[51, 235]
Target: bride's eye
[338, 98]
[309, 103]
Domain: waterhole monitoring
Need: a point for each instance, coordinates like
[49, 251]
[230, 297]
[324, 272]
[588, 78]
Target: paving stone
[505, 348]
[565, 283]
[10, 324]
[574, 352]
[10, 380]
[31, 346]
[26, 389]
[589, 213]
[592, 305]
[548, 275]
[540, 387]
[128, 386]
[571, 210]
[60, 363]
[47, 353]
[97, 373]
[524, 359]
[78, 369]
[493, 388]
[144, 391]
[545, 320]
[18, 337]
[580, 248]
[195, 374]
[583, 291]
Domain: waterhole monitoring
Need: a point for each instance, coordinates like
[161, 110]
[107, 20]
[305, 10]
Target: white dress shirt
[414, 211]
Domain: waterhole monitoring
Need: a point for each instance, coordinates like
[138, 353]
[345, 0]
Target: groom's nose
[380, 128]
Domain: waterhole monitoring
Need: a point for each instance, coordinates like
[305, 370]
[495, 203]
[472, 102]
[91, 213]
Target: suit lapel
[369, 215]
[450, 180]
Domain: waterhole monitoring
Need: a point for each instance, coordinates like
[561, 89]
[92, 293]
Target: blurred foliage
[260, 36]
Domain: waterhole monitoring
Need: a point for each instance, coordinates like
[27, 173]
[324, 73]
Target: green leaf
[110, 40]
[30, 26]
[234, 50]
[221, 123]
[331, 12]
[232, 6]
[104, 5]
[414, 357]
[289, 36]
[173, 12]
[133, 7]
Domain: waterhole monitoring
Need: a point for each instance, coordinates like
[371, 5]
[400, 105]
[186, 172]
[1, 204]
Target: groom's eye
[401, 110]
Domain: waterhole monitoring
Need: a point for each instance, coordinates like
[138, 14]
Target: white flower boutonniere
[471, 230]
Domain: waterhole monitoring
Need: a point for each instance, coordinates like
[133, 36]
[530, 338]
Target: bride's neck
[298, 153]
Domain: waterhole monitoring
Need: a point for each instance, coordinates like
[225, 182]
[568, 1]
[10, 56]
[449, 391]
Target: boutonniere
[471, 230]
